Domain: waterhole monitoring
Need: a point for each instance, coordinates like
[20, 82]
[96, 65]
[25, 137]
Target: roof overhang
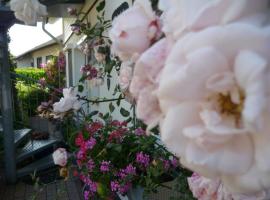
[58, 8]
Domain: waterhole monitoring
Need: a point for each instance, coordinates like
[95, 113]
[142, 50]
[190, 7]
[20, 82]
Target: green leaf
[80, 88]
[93, 113]
[124, 112]
[119, 100]
[108, 83]
[111, 107]
[129, 120]
[101, 6]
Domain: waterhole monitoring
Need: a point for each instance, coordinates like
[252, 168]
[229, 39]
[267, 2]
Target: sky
[24, 38]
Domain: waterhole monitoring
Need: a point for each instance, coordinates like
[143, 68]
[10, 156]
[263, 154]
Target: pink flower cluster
[142, 159]
[89, 71]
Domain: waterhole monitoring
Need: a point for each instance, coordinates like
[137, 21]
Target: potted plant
[113, 159]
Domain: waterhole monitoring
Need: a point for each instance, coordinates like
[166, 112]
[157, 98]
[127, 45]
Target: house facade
[75, 57]
[39, 54]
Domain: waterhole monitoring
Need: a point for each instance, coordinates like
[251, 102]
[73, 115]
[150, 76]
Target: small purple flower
[114, 186]
[143, 159]
[80, 155]
[42, 82]
[92, 187]
[124, 188]
[91, 143]
[90, 165]
[122, 174]
[105, 166]
[43, 65]
[139, 132]
[166, 164]
[175, 162]
[130, 170]
[86, 195]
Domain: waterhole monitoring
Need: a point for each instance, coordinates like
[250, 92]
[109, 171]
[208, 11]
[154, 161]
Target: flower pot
[135, 193]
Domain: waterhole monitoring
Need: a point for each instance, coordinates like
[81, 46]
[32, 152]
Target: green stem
[166, 186]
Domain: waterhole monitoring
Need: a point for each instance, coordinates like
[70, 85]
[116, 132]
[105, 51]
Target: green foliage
[121, 146]
[181, 186]
[29, 97]
[30, 72]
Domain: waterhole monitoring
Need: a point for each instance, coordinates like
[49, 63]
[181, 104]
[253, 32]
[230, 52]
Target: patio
[56, 190]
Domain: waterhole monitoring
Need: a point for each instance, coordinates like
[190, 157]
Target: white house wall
[72, 41]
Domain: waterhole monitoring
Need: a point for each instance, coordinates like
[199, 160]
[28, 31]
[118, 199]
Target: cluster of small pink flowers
[139, 132]
[129, 170]
[90, 165]
[121, 188]
[89, 71]
[114, 186]
[94, 127]
[142, 159]
[124, 188]
[117, 123]
[61, 62]
[175, 162]
[117, 135]
[90, 143]
[42, 82]
[105, 166]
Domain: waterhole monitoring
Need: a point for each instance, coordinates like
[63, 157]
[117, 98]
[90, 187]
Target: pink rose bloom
[207, 189]
[214, 94]
[125, 75]
[203, 188]
[145, 81]
[181, 16]
[60, 157]
[133, 31]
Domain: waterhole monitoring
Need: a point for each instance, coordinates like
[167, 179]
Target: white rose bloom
[68, 102]
[28, 11]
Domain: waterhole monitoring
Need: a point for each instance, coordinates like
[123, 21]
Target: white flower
[68, 102]
[60, 157]
[182, 16]
[214, 94]
[129, 40]
[28, 11]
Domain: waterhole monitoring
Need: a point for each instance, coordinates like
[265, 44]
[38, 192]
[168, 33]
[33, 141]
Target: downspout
[49, 34]
[44, 20]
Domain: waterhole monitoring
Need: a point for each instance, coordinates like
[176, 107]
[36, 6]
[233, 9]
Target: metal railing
[27, 96]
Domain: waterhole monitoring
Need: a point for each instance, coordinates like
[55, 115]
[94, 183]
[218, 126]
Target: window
[48, 58]
[39, 61]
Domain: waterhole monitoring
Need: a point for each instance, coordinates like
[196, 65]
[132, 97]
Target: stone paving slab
[57, 190]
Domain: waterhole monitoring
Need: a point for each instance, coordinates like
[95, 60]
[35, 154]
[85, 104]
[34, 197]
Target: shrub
[30, 96]
[31, 73]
